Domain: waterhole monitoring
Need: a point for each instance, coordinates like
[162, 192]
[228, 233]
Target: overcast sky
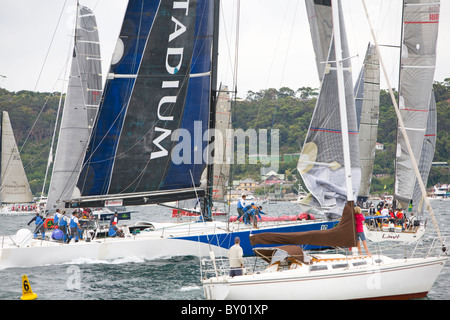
[275, 47]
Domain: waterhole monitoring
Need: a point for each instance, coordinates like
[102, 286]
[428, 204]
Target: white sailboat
[294, 274]
[15, 192]
[418, 108]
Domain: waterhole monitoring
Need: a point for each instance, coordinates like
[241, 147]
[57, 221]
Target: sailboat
[148, 142]
[15, 192]
[418, 107]
[294, 274]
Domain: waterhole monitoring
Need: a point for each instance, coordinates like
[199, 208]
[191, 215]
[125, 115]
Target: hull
[379, 235]
[392, 279]
[161, 240]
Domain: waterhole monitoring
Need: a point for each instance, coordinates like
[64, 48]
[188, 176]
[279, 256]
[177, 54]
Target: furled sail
[14, 183]
[418, 58]
[222, 142]
[367, 102]
[80, 109]
[321, 162]
[147, 144]
[342, 235]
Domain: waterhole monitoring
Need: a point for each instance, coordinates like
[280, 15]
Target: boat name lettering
[388, 236]
[172, 68]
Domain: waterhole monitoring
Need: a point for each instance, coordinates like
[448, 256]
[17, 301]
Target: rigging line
[273, 59]
[227, 41]
[236, 57]
[285, 61]
[51, 42]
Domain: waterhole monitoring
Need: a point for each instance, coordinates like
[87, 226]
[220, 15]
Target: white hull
[400, 278]
[160, 240]
[405, 236]
[147, 245]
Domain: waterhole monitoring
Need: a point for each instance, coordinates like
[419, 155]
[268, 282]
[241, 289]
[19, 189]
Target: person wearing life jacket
[62, 225]
[56, 218]
[400, 219]
[39, 222]
[74, 226]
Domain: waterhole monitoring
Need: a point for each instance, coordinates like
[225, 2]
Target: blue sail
[159, 82]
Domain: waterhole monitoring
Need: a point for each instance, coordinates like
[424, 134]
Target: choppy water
[176, 278]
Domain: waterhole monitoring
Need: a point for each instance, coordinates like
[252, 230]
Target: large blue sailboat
[162, 88]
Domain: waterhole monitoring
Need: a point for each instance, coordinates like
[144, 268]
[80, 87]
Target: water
[177, 278]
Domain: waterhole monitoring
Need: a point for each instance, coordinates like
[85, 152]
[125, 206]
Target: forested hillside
[33, 118]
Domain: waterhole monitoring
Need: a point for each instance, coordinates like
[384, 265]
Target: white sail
[426, 157]
[367, 101]
[418, 59]
[14, 183]
[221, 163]
[80, 109]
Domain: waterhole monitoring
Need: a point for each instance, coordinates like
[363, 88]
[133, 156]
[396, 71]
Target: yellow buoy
[27, 293]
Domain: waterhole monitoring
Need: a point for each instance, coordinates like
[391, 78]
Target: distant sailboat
[418, 108]
[418, 63]
[15, 188]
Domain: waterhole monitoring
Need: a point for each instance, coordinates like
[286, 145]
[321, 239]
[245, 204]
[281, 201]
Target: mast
[342, 102]
[207, 205]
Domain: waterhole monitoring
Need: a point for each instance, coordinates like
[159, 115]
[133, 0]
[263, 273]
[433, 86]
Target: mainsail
[147, 144]
[321, 162]
[14, 183]
[367, 102]
[80, 109]
[418, 59]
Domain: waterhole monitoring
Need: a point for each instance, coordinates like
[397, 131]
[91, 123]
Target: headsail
[426, 157]
[159, 82]
[80, 109]
[367, 101]
[418, 59]
[14, 183]
[321, 162]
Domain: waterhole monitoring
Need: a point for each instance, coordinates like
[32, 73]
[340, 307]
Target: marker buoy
[27, 293]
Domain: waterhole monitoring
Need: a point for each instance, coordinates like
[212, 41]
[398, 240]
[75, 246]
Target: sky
[274, 50]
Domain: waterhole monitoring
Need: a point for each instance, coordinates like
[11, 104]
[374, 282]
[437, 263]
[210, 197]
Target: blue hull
[226, 239]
